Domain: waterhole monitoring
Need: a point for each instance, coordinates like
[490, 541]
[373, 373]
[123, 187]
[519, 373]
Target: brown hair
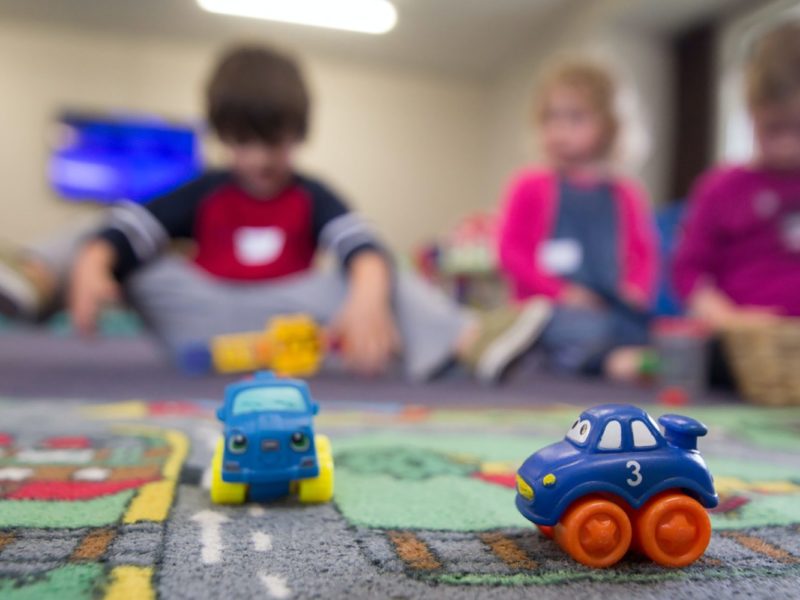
[256, 92]
[773, 72]
[590, 79]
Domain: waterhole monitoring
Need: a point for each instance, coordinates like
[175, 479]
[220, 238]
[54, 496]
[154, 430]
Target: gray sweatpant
[182, 304]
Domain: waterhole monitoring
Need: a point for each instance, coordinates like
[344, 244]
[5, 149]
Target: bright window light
[365, 16]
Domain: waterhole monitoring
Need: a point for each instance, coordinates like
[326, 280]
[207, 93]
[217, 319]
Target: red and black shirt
[238, 236]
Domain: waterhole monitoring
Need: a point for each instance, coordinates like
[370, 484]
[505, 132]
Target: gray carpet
[39, 365]
[416, 513]
[411, 516]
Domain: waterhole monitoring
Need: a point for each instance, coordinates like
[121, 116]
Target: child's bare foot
[625, 364]
[26, 288]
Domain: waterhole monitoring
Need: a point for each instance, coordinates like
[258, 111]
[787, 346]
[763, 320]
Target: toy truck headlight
[524, 489]
[237, 443]
[299, 441]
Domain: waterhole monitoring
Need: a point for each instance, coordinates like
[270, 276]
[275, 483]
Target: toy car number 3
[635, 471]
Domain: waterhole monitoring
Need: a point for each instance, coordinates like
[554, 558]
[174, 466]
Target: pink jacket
[528, 217]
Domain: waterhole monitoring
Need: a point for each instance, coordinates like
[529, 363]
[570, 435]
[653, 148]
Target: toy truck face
[619, 450]
[268, 432]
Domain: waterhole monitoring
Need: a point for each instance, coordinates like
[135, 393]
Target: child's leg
[33, 278]
[629, 340]
[431, 325]
[184, 306]
[575, 338]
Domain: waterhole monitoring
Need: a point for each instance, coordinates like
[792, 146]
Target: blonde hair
[594, 82]
[772, 74]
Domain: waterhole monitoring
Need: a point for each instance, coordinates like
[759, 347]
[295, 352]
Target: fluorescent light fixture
[365, 16]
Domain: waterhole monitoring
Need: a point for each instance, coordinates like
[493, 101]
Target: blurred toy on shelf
[616, 482]
[464, 262]
[290, 345]
[268, 447]
[470, 246]
[682, 357]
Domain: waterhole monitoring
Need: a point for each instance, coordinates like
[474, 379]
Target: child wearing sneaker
[257, 227]
[576, 233]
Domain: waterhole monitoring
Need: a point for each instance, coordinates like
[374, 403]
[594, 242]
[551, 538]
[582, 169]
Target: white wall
[734, 139]
[403, 145]
[640, 59]
[413, 150]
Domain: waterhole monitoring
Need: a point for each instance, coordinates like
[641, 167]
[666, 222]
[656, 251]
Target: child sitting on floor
[738, 262]
[257, 227]
[739, 258]
[578, 234]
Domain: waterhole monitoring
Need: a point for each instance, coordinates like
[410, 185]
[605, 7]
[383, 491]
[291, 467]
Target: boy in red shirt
[257, 228]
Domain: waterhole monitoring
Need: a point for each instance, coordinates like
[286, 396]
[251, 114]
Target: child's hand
[716, 309]
[634, 297]
[367, 334]
[365, 326]
[579, 296]
[91, 285]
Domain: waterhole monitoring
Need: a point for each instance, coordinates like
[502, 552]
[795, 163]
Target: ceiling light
[365, 16]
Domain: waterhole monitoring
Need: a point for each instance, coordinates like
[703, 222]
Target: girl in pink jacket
[578, 235]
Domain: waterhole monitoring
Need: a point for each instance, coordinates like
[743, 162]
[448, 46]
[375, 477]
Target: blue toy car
[268, 448]
[616, 482]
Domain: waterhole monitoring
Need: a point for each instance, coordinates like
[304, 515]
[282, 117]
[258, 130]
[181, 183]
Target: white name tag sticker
[258, 245]
[560, 257]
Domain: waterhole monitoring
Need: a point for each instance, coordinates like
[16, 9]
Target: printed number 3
[635, 471]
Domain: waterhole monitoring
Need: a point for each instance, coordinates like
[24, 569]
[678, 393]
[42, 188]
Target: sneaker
[507, 334]
[19, 297]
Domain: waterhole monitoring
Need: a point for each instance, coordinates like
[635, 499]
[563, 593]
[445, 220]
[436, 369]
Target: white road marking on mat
[15, 473]
[55, 456]
[205, 480]
[262, 542]
[275, 585]
[257, 511]
[210, 537]
[92, 474]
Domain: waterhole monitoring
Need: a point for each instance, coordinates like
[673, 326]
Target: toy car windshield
[269, 399]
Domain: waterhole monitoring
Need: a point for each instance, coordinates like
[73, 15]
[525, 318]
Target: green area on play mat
[77, 513]
[409, 480]
[70, 581]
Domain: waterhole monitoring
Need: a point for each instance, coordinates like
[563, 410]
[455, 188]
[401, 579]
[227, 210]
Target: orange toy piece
[547, 531]
[595, 532]
[673, 529]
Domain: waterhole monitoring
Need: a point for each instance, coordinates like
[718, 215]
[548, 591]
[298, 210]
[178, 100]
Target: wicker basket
[766, 362]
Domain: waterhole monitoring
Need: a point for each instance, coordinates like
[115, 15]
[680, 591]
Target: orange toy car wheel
[673, 529]
[547, 531]
[595, 532]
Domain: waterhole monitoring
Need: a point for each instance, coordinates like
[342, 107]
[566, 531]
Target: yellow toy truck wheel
[320, 488]
[223, 492]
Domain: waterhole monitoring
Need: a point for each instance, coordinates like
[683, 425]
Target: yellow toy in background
[298, 346]
[290, 345]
